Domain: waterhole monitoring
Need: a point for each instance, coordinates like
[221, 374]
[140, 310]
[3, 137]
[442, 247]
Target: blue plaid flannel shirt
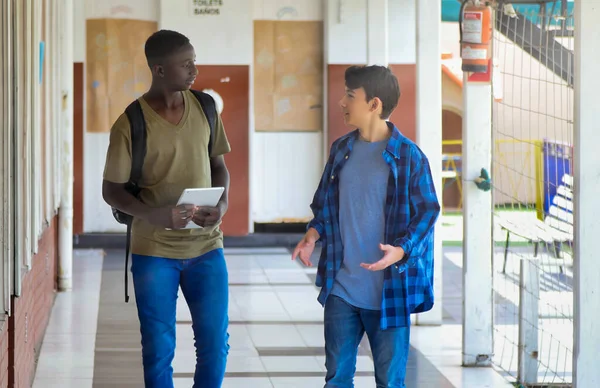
[411, 211]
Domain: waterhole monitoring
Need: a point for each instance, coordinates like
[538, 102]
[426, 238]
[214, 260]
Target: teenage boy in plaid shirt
[374, 213]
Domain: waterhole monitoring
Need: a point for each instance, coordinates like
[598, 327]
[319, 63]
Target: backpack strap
[210, 110]
[138, 140]
[137, 124]
[127, 245]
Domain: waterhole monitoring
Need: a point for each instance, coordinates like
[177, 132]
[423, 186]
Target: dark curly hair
[163, 43]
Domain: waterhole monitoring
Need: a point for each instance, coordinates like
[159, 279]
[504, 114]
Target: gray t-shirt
[362, 197]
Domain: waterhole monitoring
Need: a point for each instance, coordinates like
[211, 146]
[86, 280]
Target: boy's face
[357, 111]
[179, 71]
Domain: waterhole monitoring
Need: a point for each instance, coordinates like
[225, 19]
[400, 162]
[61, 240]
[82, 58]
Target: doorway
[452, 160]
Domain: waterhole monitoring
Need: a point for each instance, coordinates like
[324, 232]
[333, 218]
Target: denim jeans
[345, 326]
[204, 283]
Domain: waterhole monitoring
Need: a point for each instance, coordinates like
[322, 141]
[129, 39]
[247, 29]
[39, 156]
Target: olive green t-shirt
[176, 158]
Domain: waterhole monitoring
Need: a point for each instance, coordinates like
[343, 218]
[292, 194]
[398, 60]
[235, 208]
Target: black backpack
[138, 153]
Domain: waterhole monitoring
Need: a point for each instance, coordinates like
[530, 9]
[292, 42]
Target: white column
[477, 226]
[65, 228]
[377, 32]
[586, 189]
[429, 124]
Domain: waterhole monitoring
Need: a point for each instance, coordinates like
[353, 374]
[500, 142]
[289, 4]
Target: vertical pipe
[65, 230]
[429, 124]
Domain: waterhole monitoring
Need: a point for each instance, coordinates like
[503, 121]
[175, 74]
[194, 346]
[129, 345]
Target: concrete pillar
[586, 187]
[377, 32]
[477, 226]
[429, 124]
[65, 228]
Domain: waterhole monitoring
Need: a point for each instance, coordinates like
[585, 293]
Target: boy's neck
[375, 131]
[162, 96]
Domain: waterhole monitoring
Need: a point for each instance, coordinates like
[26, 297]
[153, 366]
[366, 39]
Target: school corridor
[511, 150]
[276, 331]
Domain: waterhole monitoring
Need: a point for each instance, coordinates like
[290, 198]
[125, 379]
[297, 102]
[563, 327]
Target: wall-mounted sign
[206, 7]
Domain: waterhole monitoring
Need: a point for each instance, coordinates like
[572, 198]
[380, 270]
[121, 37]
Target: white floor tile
[231, 382]
[247, 382]
[301, 303]
[68, 343]
[240, 262]
[259, 303]
[277, 336]
[283, 261]
[317, 382]
[312, 335]
[236, 364]
[283, 276]
[183, 383]
[252, 276]
[292, 364]
[62, 383]
[63, 372]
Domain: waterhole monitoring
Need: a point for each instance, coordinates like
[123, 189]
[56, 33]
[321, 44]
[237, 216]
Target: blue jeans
[204, 283]
[345, 326]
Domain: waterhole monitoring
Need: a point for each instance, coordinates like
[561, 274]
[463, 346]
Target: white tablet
[200, 197]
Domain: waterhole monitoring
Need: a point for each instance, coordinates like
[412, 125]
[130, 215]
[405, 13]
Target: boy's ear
[376, 104]
[158, 71]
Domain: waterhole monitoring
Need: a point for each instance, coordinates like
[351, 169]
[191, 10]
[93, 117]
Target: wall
[228, 47]
[347, 42]
[4, 355]
[97, 216]
[284, 168]
[218, 40]
[31, 311]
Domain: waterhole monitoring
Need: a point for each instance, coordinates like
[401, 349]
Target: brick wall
[31, 311]
[4, 354]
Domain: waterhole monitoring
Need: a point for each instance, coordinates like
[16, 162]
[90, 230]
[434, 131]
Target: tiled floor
[275, 326]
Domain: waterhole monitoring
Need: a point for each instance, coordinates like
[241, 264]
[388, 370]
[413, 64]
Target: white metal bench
[555, 230]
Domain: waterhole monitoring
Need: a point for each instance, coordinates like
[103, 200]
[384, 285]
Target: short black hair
[163, 43]
[377, 81]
